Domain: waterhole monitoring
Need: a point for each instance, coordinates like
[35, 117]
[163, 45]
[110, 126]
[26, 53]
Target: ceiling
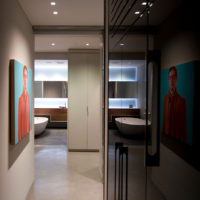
[80, 13]
[70, 12]
[64, 42]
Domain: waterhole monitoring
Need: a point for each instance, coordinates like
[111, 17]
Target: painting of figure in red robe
[24, 108]
[21, 101]
[177, 102]
[174, 115]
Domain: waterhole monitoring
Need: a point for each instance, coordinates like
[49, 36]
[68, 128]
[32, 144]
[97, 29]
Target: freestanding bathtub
[131, 126]
[40, 124]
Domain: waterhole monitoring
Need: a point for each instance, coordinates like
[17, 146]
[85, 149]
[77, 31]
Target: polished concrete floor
[52, 137]
[63, 175]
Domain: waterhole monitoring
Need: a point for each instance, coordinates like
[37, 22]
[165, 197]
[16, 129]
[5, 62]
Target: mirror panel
[51, 89]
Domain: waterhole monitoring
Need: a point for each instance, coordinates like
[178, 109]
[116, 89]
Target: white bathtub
[40, 124]
[131, 126]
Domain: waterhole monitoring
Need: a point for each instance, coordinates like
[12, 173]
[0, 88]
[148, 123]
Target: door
[84, 115]
[77, 102]
[94, 100]
[146, 160]
[132, 133]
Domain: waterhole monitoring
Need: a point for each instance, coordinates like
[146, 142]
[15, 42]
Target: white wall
[16, 162]
[51, 55]
[179, 43]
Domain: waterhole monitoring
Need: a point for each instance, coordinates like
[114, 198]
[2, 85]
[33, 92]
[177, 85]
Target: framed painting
[21, 101]
[179, 110]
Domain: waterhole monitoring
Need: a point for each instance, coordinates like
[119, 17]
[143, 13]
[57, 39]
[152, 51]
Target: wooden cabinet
[55, 114]
[84, 100]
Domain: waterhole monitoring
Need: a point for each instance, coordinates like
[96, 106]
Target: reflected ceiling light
[53, 3]
[121, 44]
[53, 44]
[151, 4]
[137, 12]
[87, 44]
[144, 3]
[141, 15]
[55, 12]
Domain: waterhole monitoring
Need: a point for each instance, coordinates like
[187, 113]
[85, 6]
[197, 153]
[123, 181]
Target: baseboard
[83, 150]
[57, 124]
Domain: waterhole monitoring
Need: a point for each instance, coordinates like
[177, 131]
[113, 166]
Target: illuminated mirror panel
[50, 102]
[51, 70]
[124, 70]
[122, 73]
[123, 103]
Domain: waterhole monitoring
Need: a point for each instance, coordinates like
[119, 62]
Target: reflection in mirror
[51, 89]
[38, 89]
[123, 89]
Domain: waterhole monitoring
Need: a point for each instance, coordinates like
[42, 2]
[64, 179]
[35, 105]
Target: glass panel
[128, 80]
[125, 73]
[50, 102]
[136, 31]
[51, 70]
[51, 85]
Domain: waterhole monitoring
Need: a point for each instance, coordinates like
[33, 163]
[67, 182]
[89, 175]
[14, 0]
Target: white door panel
[77, 111]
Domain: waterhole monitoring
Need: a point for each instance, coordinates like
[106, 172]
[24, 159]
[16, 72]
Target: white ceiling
[83, 13]
[70, 12]
[65, 42]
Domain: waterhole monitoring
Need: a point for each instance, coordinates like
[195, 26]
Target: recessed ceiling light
[121, 44]
[53, 44]
[151, 4]
[141, 15]
[144, 3]
[137, 12]
[55, 12]
[87, 44]
[53, 3]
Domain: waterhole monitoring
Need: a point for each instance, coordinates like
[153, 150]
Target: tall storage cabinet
[84, 100]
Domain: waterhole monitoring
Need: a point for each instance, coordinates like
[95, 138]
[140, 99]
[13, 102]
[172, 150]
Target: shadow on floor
[52, 137]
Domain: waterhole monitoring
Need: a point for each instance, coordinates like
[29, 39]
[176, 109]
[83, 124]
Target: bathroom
[53, 85]
[126, 93]
[50, 102]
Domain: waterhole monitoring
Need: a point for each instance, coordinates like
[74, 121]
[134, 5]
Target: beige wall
[179, 43]
[16, 162]
[51, 55]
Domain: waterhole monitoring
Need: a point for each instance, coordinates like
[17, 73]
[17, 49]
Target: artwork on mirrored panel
[21, 101]
[179, 105]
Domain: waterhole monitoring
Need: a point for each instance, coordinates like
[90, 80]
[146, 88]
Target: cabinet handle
[87, 111]
[154, 58]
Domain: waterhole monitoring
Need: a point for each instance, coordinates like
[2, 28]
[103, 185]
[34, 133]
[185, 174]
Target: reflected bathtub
[130, 126]
[40, 124]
